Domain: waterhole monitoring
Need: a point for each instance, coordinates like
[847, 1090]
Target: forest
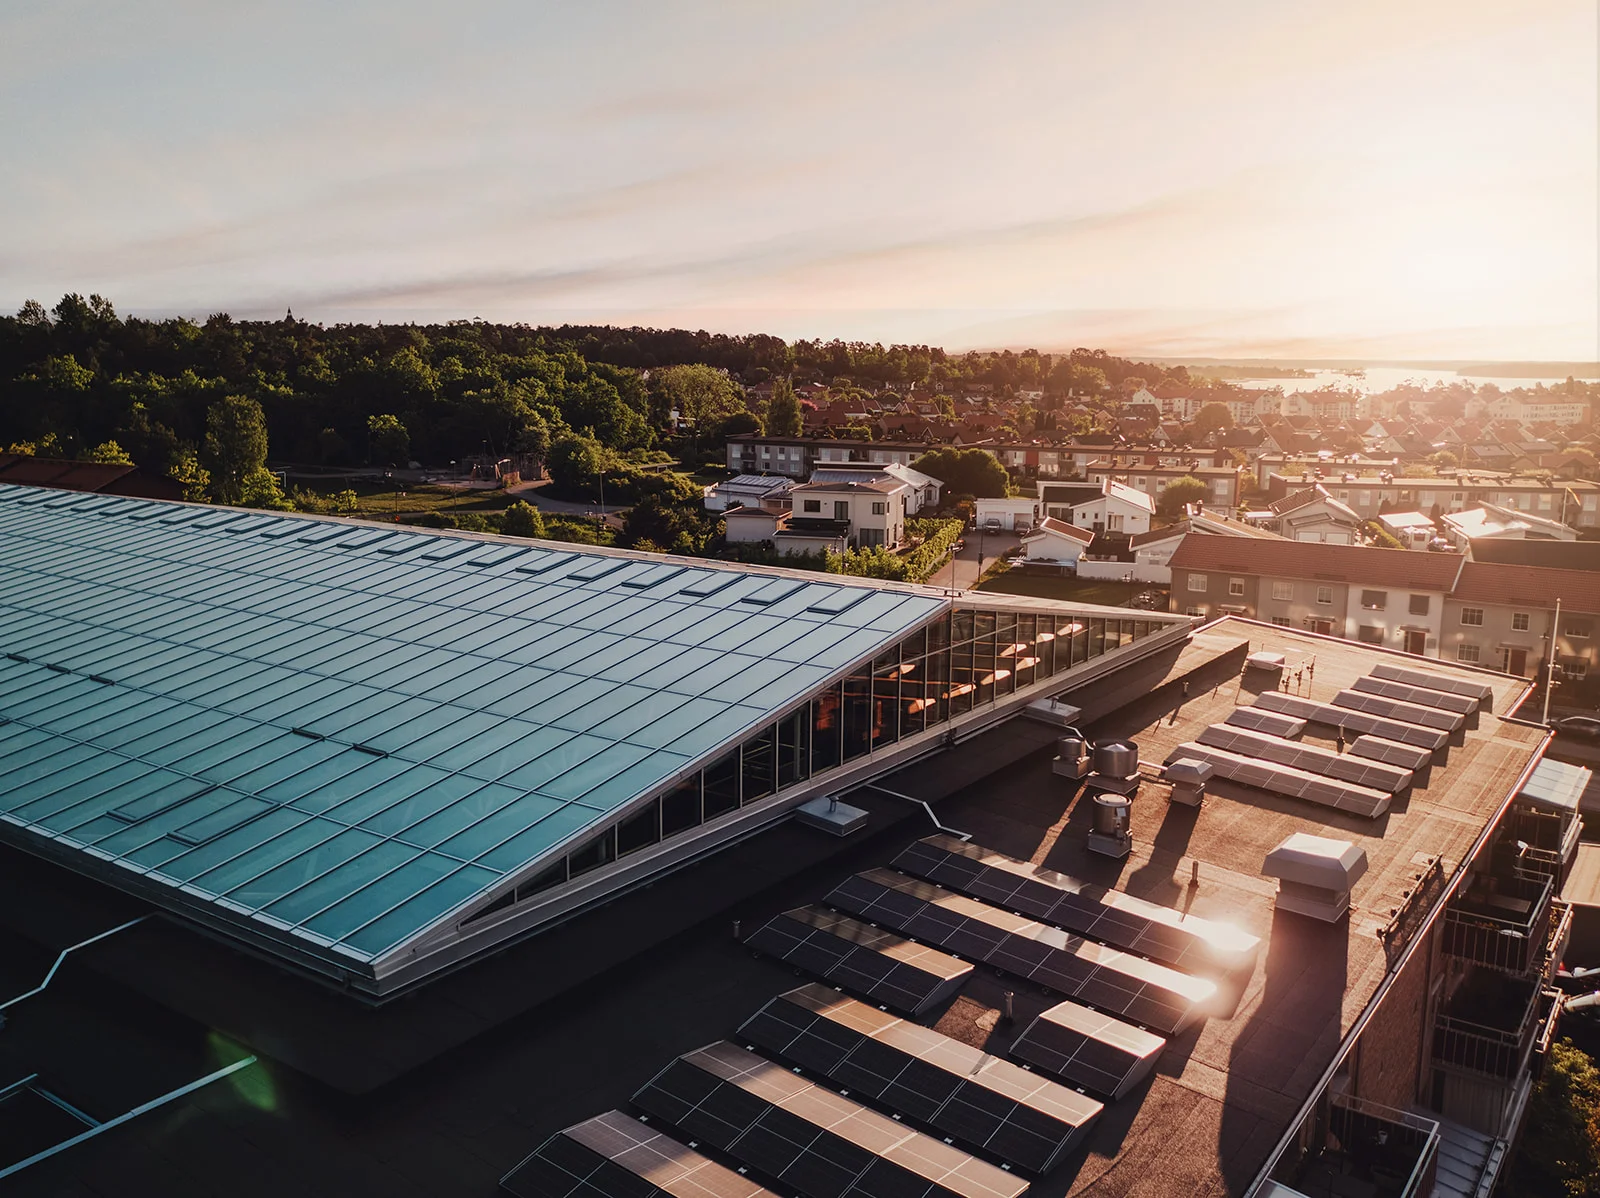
[176, 396]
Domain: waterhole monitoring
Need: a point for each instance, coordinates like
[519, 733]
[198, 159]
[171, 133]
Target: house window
[1283, 590]
[1325, 595]
[1281, 621]
[813, 505]
[1194, 611]
[879, 509]
[1235, 586]
[1419, 605]
[1197, 582]
[1472, 617]
[1576, 629]
[1519, 621]
[1370, 634]
[1375, 600]
[1467, 652]
[1114, 523]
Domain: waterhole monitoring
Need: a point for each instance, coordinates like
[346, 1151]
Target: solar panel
[1288, 781]
[1089, 1049]
[1352, 721]
[1311, 758]
[869, 961]
[1257, 720]
[812, 1140]
[1394, 709]
[1390, 752]
[1462, 705]
[1189, 943]
[1142, 991]
[616, 1156]
[1480, 691]
[957, 1090]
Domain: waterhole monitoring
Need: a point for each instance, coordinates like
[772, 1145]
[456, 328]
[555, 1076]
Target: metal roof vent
[1072, 757]
[1315, 874]
[1188, 776]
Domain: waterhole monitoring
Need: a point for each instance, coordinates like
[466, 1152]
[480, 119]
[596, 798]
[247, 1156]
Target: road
[534, 493]
[967, 565]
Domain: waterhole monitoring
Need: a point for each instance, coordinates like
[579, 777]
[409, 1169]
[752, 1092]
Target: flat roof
[1218, 1098]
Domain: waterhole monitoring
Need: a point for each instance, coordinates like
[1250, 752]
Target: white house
[1314, 515]
[923, 488]
[1055, 542]
[752, 525]
[1490, 521]
[1117, 508]
[872, 513]
[1414, 530]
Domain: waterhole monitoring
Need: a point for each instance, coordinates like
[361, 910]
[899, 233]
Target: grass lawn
[377, 500]
[1062, 586]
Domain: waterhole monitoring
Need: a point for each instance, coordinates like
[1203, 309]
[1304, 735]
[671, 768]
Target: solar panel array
[958, 1091]
[615, 1156]
[1394, 709]
[1352, 721]
[1407, 757]
[1258, 720]
[1462, 705]
[1189, 943]
[1288, 781]
[820, 1144]
[869, 961]
[1089, 1049]
[1480, 691]
[347, 734]
[1313, 759]
[1130, 987]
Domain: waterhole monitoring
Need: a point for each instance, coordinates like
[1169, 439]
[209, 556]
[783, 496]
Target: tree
[522, 520]
[1444, 460]
[699, 394]
[783, 411]
[1211, 419]
[388, 439]
[194, 478]
[1180, 493]
[974, 472]
[1560, 1149]
[109, 453]
[674, 527]
[576, 465]
[236, 444]
[259, 488]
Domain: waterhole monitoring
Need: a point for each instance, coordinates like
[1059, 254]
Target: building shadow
[1287, 1041]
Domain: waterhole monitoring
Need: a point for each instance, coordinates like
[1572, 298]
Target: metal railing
[62, 956]
[1482, 1048]
[1425, 1131]
[1482, 925]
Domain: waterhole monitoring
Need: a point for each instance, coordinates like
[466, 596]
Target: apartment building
[1503, 616]
[1569, 501]
[1222, 482]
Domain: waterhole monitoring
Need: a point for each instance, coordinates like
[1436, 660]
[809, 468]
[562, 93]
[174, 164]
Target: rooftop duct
[1315, 875]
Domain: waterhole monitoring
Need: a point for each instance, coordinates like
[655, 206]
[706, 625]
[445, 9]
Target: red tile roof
[1072, 532]
[1533, 587]
[1398, 568]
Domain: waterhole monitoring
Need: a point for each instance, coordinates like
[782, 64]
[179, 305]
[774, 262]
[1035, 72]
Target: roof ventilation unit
[1315, 874]
[1188, 776]
[1113, 782]
[828, 814]
[1072, 757]
[1053, 711]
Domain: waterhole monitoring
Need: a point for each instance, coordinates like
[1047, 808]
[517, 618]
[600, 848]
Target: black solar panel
[1088, 1049]
[1312, 758]
[1191, 944]
[1480, 691]
[1463, 705]
[867, 961]
[1353, 721]
[1143, 991]
[1395, 709]
[1288, 781]
[958, 1091]
[812, 1141]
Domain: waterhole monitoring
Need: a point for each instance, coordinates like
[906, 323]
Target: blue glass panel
[323, 892]
[541, 838]
[422, 910]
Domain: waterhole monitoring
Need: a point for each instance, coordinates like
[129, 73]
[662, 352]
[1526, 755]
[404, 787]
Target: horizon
[1259, 181]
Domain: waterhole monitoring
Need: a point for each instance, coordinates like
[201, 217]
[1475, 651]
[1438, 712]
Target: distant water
[1385, 378]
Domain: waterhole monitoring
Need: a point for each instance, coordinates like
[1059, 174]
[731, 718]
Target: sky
[1266, 178]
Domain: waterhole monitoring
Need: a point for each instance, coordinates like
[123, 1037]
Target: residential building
[1103, 506]
[1315, 516]
[752, 525]
[1492, 522]
[1377, 596]
[1012, 514]
[1412, 529]
[1057, 543]
[1541, 408]
[1503, 617]
[923, 490]
[1222, 482]
[874, 511]
[1568, 501]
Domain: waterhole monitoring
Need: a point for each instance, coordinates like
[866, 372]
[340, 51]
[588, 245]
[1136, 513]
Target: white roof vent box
[1315, 875]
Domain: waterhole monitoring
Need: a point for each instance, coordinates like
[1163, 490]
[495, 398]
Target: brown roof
[1528, 586]
[1399, 568]
[1082, 535]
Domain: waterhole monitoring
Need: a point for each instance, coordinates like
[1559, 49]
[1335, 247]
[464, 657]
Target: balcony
[1489, 1025]
[1533, 841]
[1501, 922]
[1370, 1150]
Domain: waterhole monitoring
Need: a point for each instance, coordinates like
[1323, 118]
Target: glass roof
[342, 733]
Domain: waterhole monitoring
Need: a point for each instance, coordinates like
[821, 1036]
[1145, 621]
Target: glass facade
[962, 661]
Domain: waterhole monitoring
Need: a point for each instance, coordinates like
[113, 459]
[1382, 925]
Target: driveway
[968, 565]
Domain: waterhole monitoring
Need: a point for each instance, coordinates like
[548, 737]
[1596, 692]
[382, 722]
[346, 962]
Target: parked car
[1585, 727]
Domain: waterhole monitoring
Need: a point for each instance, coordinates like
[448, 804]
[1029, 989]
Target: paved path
[534, 493]
[967, 564]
